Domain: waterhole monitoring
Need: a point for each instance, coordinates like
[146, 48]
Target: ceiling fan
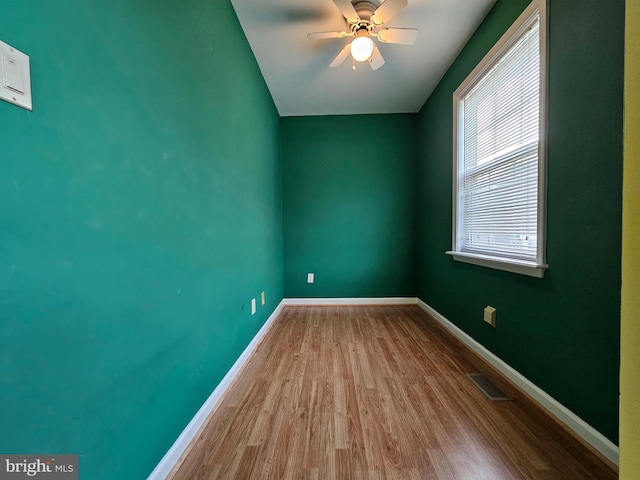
[364, 20]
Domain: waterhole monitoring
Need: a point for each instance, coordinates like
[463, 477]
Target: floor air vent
[488, 388]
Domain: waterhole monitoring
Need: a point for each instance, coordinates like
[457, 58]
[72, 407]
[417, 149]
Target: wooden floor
[374, 392]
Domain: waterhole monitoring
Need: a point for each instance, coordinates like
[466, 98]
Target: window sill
[531, 269]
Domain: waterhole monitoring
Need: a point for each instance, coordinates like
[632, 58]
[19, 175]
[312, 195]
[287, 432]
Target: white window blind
[498, 153]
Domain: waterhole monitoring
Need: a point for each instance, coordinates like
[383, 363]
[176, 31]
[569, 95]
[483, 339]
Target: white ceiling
[296, 70]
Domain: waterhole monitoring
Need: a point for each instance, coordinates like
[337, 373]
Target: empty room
[277, 239]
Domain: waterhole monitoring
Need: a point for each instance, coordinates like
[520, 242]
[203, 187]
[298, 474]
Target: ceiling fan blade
[376, 60]
[401, 36]
[344, 53]
[347, 10]
[387, 10]
[323, 35]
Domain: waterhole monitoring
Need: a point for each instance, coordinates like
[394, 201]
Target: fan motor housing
[364, 26]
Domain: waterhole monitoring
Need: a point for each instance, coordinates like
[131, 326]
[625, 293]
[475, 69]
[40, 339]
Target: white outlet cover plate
[253, 306]
[490, 316]
[15, 77]
[310, 277]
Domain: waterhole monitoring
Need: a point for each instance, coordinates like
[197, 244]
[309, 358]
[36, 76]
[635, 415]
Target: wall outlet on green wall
[311, 277]
[490, 316]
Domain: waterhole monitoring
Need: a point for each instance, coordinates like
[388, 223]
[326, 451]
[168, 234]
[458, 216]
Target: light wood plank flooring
[374, 392]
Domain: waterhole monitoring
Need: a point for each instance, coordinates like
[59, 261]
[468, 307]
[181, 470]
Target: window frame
[509, 38]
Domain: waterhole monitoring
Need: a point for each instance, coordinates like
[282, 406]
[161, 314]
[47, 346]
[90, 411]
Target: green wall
[349, 202]
[562, 331]
[141, 212]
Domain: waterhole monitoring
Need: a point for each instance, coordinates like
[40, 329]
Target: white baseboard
[171, 458]
[585, 431]
[352, 301]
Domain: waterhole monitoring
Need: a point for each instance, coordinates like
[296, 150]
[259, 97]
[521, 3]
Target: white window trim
[537, 268]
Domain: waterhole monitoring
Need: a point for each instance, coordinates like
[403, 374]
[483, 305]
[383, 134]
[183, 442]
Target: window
[499, 146]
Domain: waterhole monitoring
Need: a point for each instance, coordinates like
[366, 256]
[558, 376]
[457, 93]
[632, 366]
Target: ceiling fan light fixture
[361, 48]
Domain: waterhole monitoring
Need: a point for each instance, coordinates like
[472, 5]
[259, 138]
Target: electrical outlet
[490, 316]
[262, 298]
[310, 277]
[253, 306]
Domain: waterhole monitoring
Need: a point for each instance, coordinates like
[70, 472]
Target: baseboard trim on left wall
[173, 456]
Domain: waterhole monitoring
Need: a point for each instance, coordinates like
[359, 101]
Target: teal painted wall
[349, 205]
[140, 213]
[562, 331]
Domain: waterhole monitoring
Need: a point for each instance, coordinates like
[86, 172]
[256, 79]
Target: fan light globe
[361, 49]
